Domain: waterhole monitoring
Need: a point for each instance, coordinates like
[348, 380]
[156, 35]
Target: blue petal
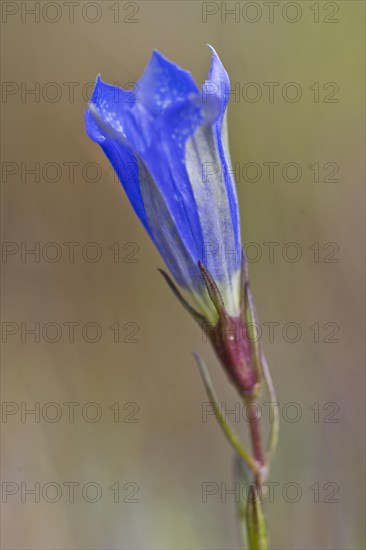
[121, 111]
[167, 163]
[162, 200]
[162, 84]
[168, 234]
[123, 160]
[115, 125]
[160, 208]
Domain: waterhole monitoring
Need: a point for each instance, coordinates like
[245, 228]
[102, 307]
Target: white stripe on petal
[204, 168]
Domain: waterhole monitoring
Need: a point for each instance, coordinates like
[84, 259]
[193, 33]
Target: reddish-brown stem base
[255, 435]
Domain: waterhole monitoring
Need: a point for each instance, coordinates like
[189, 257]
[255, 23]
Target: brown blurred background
[159, 452]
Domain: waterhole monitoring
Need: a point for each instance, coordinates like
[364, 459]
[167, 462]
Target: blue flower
[167, 142]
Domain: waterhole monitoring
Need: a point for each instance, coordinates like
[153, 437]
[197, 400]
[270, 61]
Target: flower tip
[96, 93]
[98, 82]
[159, 58]
[160, 62]
[213, 51]
[156, 54]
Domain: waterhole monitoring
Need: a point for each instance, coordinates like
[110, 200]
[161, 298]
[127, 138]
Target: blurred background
[120, 450]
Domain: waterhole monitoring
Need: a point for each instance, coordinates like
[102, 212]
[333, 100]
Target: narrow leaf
[226, 428]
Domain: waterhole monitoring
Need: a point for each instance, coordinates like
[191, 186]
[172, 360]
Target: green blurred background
[170, 452]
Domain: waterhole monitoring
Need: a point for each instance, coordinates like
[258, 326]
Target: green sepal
[230, 434]
[195, 314]
[250, 318]
[213, 290]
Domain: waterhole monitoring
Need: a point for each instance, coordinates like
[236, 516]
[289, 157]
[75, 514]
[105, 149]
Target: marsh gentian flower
[168, 144]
